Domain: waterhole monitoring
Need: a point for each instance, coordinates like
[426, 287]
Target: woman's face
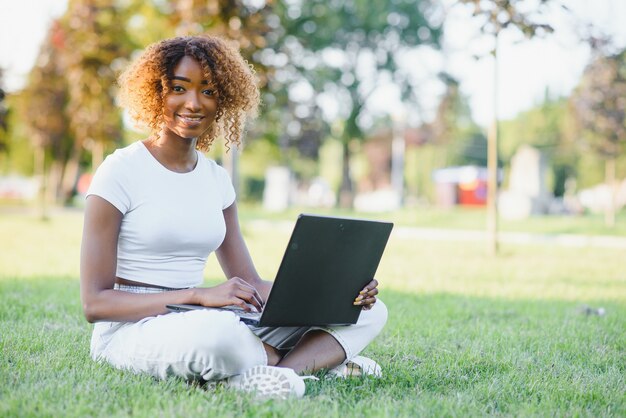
[190, 106]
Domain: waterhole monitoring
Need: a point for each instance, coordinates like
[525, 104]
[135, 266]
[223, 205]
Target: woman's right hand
[234, 291]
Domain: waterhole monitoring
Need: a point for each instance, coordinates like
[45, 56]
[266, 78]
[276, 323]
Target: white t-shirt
[172, 221]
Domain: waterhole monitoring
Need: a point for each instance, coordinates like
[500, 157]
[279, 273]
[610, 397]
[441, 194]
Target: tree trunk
[346, 191]
[70, 173]
[97, 154]
[231, 164]
[492, 165]
[40, 174]
[397, 157]
[609, 177]
[55, 175]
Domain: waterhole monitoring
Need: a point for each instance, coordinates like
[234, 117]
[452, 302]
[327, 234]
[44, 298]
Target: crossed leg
[316, 350]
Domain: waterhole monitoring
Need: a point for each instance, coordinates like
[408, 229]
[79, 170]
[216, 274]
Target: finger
[257, 302]
[368, 306]
[371, 285]
[249, 297]
[372, 292]
[369, 294]
[242, 304]
[364, 301]
[256, 299]
[370, 301]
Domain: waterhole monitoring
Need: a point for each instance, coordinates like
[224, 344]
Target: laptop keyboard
[239, 311]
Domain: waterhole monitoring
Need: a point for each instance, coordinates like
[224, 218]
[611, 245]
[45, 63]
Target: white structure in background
[598, 198]
[318, 194]
[527, 194]
[278, 189]
[382, 200]
[282, 191]
[387, 193]
[19, 187]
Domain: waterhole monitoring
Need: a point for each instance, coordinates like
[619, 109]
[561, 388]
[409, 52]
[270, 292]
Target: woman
[154, 212]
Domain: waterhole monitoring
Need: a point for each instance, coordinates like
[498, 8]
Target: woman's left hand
[367, 297]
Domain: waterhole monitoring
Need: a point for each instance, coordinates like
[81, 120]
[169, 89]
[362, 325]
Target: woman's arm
[236, 262]
[234, 257]
[98, 261]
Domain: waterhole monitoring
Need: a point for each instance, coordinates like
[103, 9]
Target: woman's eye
[178, 88]
[209, 92]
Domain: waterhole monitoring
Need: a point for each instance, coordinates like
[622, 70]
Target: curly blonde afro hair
[146, 82]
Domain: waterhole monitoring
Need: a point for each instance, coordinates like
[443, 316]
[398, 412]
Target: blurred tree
[494, 17]
[240, 20]
[459, 138]
[341, 51]
[547, 127]
[600, 104]
[43, 105]
[293, 135]
[93, 37]
[249, 23]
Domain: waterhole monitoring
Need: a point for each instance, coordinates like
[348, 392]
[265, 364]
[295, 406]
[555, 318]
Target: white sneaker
[269, 382]
[357, 366]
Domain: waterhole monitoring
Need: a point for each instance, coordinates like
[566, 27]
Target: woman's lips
[191, 121]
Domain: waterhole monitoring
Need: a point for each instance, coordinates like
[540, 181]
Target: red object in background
[472, 193]
[465, 185]
[83, 183]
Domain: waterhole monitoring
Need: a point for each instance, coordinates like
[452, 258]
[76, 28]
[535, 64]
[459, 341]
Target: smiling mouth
[191, 119]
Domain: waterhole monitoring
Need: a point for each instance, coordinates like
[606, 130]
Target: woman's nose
[192, 101]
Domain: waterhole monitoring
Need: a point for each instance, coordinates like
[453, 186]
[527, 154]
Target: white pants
[211, 344]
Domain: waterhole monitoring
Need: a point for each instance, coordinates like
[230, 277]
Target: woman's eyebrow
[178, 77]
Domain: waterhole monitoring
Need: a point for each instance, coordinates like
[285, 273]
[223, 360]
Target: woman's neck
[176, 154]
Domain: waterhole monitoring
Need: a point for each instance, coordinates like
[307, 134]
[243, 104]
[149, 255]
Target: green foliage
[93, 38]
[148, 22]
[355, 37]
[523, 15]
[600, 105]
[336, 49]
[461, 140]
[548, 127]
[42, 108]
[420, 163]
[256, 158]
[17, 157]
[67, 106]
[343, 50]
[541, 127]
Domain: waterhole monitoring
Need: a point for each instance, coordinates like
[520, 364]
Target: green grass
[468, 335]
[465, 218]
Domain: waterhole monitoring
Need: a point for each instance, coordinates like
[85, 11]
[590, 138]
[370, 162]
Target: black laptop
[326, 264]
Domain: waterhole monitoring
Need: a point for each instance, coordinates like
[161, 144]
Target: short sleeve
[226, 186]
[109, 183]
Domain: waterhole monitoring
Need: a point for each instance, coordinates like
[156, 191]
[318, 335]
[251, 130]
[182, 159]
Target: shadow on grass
[442, 355]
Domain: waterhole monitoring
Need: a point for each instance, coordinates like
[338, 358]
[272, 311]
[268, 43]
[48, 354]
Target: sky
[526, 69]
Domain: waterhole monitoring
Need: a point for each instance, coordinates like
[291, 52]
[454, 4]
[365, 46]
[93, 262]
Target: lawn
[468, 335]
